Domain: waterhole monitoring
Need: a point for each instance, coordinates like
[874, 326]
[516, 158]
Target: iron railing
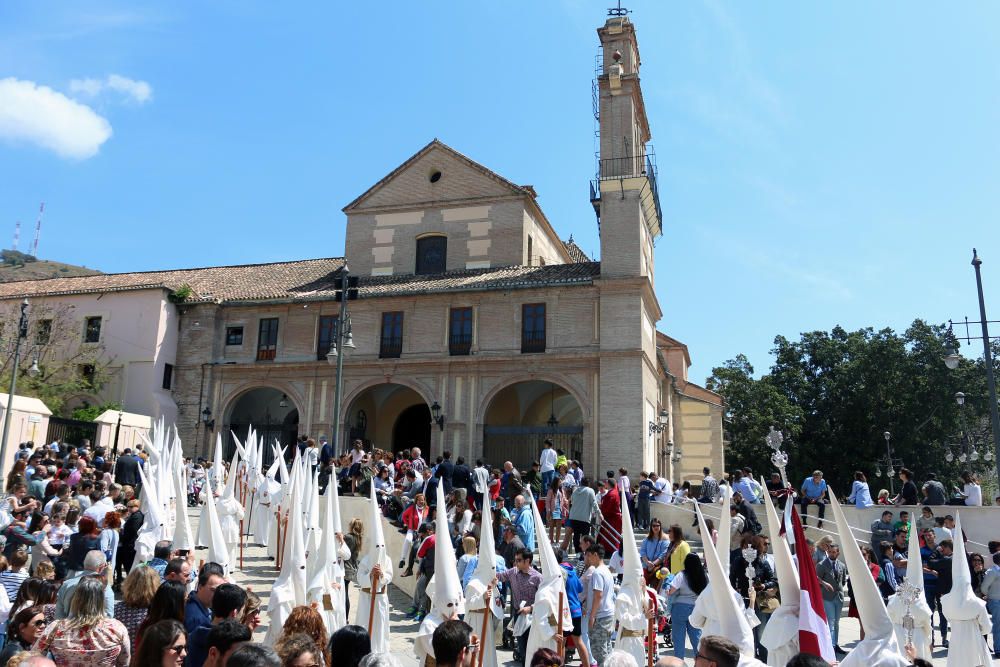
[532, 341]
[633, 166]
[460, 345]
[390, 348]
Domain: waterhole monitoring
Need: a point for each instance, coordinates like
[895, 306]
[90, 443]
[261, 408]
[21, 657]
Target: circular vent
[435, 176]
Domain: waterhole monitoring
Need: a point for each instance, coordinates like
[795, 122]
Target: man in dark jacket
[126, 543]
[446, 471]
[461, 477]
[127, 470]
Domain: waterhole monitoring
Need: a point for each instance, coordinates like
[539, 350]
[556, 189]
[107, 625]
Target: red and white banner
[814, 632]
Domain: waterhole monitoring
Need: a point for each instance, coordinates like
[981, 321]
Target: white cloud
[39, 115]
[136, 91]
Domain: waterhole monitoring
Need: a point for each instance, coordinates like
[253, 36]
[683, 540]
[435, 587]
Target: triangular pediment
[460, 179]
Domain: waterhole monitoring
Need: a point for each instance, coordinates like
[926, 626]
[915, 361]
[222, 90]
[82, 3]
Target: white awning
[128, 419]
[26, 404]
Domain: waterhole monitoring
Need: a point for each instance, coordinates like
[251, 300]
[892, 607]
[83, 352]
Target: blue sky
[820, 164]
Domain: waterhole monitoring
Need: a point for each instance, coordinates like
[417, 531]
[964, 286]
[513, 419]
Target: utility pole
[22, 333]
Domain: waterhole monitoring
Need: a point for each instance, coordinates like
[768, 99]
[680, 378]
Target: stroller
[658, 598]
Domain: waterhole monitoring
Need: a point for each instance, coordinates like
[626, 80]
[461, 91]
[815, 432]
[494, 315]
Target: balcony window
[391, 346]
[267, 339]
[92, 330]
[460, 332]
[532, 327]
[327, 335]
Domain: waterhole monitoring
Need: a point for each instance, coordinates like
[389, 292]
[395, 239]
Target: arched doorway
[520, 417]
[413, 429]
[389, 416]
[270, 412]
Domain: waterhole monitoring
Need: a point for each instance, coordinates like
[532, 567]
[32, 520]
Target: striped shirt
[12, 581]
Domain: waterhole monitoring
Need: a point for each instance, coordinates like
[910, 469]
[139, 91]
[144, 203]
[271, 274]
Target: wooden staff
[371, 607]
[277, 540]
[651, 642]
[242, 540]
[560, 637]
[482, 635]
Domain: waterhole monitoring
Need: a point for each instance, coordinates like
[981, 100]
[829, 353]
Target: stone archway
[389, 416]
[272, 414]
[520, 416]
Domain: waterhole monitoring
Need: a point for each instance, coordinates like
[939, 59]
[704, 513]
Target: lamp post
[774, 438]
[952, 359]
[889, 462]
[343, 339]
[22, 333]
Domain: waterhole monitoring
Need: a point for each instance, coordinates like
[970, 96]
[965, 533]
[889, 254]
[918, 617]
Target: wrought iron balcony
[390, 348]
[622, 168]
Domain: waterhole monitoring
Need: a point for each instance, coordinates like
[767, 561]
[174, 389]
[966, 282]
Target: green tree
[835, 393]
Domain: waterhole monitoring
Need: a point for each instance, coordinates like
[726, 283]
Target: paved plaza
[259, 574]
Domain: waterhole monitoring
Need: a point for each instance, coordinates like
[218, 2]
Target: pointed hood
[486, 564]
[182, 526]
[914, 560]
[788, 574]
[217, 466]
[376, 543]
[879, 647]
[333, 507]
[732, 622]
[549, 565]
[448, 598]
[229, 491]
[725, 526]
[960, 603]
[218, 550]
[631, 563]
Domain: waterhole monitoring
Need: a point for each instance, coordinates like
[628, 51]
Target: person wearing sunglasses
[716, 651]
[164, 643]
[22, 631]
[454, 644]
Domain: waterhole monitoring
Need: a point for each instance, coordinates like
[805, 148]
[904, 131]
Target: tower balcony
[636, 172]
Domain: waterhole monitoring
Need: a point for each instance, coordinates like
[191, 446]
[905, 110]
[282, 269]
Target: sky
[820, 164]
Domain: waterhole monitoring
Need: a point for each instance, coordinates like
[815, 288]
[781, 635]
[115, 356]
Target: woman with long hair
[251, 611]
[86, 636]
[137, 592]
[86, 539]
[556, 507]
[861, 495]
[109, 538]
[678, 551]
[414, 515]
[653, 551]
[163, 645]
[22, 631]
[167, 604]
[354, 539]
[16, 475]
[350, 644]
[306, 620]
[683, 592]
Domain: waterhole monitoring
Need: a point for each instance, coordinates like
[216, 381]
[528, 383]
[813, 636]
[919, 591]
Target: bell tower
[624, 192]
[627, 204]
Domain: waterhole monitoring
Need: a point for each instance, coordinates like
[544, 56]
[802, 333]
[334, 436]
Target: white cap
[486, 565]
[733, 624]
[448, 598]
[788, 574]
[631, 563]
[725, 527]
[879, 647]
[960, 603]
[549, 565]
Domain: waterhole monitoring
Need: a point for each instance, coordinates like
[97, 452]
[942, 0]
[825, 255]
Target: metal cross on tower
[619, 10]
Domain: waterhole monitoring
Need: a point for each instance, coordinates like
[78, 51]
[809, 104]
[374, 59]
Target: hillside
[15, 266]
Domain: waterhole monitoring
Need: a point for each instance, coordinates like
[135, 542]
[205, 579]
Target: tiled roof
[247, 282]
[308, 279]
[576, 253]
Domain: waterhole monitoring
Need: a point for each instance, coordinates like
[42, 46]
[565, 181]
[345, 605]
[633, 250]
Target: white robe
[967, 647]
[425, 633]
[230, 515]
[543, 612]
[705, 616]
[474, 605]
[781, 635]
[380, 626]
[922, 627]
[631, 616]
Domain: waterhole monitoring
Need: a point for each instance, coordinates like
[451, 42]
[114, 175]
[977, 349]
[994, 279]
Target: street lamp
[436, 416]
[661, 425]
[889, 463]
[952, 362]
[343, 340]
[22, 333]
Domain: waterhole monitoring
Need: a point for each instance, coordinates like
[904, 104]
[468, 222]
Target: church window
[532, 327]
[460, 333]
[267, 339]
[432, 253]
[234, 335]
[391, 346]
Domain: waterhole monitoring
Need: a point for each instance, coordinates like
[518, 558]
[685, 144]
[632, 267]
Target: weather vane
[619, 10]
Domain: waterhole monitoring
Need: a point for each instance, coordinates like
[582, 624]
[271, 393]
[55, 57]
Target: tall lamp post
[22, 333]
[952, 359]
[343, 340]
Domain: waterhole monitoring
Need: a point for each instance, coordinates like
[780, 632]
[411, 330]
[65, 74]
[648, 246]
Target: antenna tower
[38, 230]
[17, 234]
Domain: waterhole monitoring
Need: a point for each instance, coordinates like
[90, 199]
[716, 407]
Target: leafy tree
[834, 394]
[89, 413]
[68, 368]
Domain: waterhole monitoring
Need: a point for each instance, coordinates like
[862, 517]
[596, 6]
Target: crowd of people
[73, 593]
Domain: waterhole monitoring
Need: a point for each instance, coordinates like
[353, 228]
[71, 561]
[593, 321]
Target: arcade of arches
[391, 417]
[271, 413]
[521, 416]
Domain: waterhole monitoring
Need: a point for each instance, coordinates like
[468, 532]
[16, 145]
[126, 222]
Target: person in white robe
[781, 634]
[289, 588]
[326, 572]
[484, 608]
[447, 599]
[215, 480]
[731, 614]
[879, 647]
[632, 604]
[918, 609]
[966, 613]
[545, 610]
[373, 577]
[263, 514]
[230, 510]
